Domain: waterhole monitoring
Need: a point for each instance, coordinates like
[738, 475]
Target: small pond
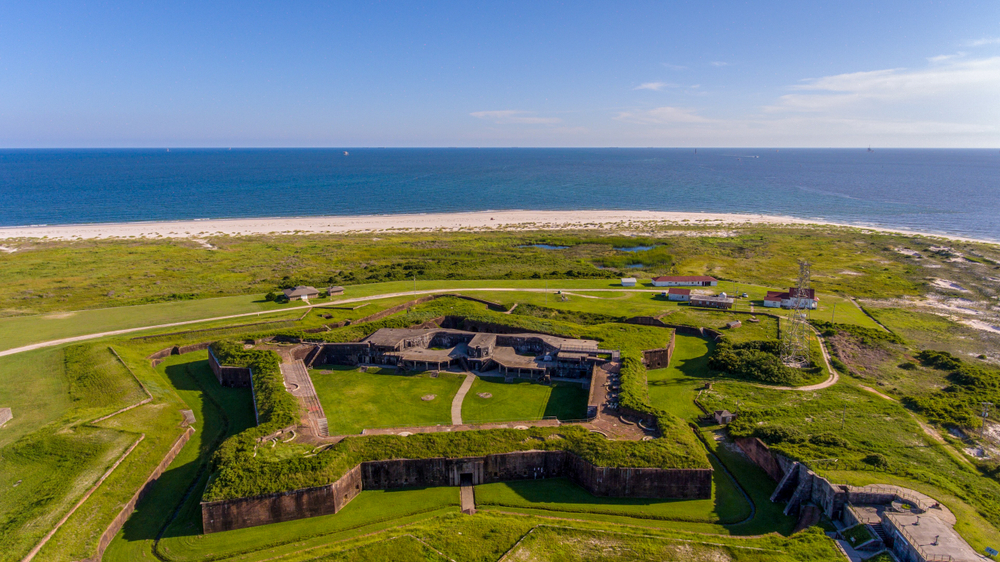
[635, 248]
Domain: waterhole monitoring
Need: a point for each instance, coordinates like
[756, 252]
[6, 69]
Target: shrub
[908, 365]
[773, 435]
[959, 403]
[939, 360]
[276, 407]
[877, 460]
[827, 439]
[753, 360]
[269, 297]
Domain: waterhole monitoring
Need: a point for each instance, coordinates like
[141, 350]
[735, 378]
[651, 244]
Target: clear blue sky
[343, 74]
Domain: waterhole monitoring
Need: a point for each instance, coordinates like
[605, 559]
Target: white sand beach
[469, 221]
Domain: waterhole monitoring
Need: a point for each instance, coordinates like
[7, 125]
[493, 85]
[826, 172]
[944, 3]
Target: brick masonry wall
[229, 376]
[640, 482]
[227, 515]
[399, 473]
[761, 455]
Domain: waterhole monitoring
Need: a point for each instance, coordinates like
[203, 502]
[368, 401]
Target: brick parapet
[398, 473]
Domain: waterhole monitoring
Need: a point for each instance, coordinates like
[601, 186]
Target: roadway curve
[74, 339]
[832, 380]
[834, 377]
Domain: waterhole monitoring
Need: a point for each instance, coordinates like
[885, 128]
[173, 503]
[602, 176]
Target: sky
[350, 74]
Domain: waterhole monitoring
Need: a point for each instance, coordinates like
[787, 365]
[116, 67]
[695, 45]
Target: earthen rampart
[399, 473]
[126, 512]
[227, 515]
[229, 376]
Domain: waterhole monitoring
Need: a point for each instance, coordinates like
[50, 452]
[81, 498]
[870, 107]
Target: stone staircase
[880, 532]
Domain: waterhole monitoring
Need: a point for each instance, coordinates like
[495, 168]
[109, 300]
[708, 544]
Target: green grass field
[353, 400]
[523, 400]
[49, 454]
[369, 509]
[34, 386]
[673, 389]
[43, 476]
[563, 498]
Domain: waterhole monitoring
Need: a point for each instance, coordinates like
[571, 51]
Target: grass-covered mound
[755, 361]
[276, 407]
[242, 475]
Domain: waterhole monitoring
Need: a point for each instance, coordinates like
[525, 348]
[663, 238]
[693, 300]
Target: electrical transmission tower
[795, 336]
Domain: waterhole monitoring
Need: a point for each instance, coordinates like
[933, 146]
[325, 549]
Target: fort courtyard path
[456, 403]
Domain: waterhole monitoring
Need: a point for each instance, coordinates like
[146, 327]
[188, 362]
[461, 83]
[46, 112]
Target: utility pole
[414, 284]
[843, 418]
[833, 317]
[985, 414]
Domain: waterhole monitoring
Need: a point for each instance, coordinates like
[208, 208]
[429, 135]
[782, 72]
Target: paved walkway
[298, 382]
[456, 404]
[468, 499]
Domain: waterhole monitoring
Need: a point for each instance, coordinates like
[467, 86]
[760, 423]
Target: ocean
[955, 192]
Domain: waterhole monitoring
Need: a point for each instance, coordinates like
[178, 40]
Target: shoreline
[451, 222]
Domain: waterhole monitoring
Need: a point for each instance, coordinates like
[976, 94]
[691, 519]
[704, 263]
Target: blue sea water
[941, 191]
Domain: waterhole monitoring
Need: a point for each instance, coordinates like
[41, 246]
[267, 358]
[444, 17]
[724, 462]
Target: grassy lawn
[869, 425]
[673, 389]
[857, 535]
[23, 330]
[560, 543]
[219, 412]
[562, 497]
[44, 474]
[369, 508]
[353, 400]
[971, 524]
[523, 400]
[34, 386]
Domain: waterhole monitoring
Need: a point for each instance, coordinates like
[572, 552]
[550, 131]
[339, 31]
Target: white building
[678, 295]
[685, 281]
[792, 299]
[628, 282]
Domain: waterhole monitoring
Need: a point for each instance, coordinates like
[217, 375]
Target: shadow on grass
[568, 401]
[220, 412]
[560, 494]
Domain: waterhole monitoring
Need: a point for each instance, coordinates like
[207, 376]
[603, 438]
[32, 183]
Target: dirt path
[832, 380]
[865, 312]
[927, 429]
[456, 404]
